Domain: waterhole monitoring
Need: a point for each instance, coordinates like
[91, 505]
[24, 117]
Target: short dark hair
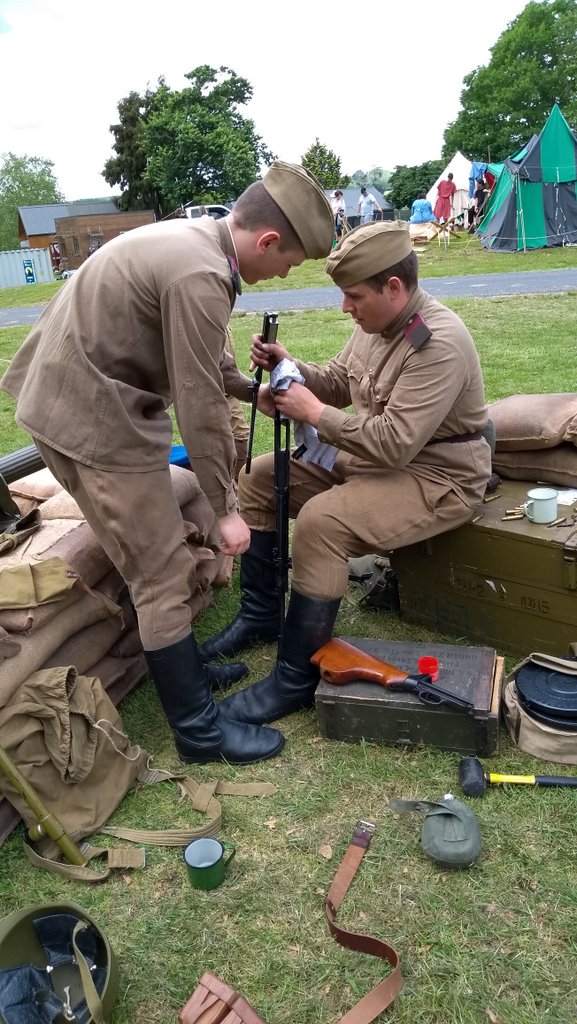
[422, 195]
[407, 270]
[255, 209]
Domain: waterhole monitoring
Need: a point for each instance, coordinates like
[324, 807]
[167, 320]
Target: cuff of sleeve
[224, 502]
[331, 424]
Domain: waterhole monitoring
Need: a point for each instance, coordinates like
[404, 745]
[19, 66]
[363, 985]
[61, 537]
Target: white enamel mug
[541, 505]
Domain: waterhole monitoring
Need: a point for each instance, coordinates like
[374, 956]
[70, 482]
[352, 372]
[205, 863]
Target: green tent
[534, 201]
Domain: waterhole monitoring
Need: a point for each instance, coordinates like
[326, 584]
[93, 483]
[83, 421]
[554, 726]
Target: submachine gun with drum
[281, 475]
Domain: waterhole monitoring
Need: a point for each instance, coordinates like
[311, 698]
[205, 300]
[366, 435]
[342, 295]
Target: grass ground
[494, 944]
[464, 255]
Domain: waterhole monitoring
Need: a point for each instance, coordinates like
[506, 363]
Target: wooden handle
[340, 662]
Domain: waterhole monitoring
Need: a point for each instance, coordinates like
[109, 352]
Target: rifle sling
[380, 997]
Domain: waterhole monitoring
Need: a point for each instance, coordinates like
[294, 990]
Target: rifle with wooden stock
[340, 662]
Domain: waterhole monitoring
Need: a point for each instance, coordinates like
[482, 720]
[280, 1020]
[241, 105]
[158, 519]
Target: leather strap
[380, 997]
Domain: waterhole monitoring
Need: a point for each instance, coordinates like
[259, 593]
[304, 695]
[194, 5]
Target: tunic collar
[229, 249]
[416, 300]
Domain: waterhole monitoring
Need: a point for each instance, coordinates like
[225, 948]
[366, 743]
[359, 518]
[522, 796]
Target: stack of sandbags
[62, 602]
[536, 438]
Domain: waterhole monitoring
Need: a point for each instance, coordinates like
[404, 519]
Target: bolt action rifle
[340, 662]
[281, 475]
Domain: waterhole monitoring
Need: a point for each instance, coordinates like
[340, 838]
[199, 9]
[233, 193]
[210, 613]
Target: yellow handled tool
[474, 780]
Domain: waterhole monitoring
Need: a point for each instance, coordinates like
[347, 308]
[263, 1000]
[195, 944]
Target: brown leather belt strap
[379, 998]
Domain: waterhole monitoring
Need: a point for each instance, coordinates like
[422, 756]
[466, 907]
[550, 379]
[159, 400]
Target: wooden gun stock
[340, 662]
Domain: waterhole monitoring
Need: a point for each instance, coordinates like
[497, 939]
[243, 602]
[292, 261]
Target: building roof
[39, 220]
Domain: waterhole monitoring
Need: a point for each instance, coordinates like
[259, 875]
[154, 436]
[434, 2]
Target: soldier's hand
[235, 534]
[298, 403]
[265, 401]
[267, 355]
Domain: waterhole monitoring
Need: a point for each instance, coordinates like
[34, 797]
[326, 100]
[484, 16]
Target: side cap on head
[367, 251]
[300, 197]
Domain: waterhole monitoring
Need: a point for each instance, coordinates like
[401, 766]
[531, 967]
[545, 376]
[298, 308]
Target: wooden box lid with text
[367, 711]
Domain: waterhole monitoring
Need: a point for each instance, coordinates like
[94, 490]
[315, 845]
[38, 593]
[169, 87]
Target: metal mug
[541, 506]
[206, 862]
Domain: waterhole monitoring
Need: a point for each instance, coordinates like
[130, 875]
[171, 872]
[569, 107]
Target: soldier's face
[372, 311]
[268, 260]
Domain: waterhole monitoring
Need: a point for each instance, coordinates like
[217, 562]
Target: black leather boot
[202, 732]
[258, 618]
[221, 677]
[293, 681]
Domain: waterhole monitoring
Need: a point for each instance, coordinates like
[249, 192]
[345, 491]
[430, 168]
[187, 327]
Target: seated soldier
[412, 459]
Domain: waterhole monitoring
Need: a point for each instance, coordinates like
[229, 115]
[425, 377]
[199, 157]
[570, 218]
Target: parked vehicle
[212, 209]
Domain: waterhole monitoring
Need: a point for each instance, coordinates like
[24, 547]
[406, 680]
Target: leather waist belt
[456, 438]
[214, 1002]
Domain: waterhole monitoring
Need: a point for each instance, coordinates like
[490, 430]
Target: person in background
[444, 203]
[339, 210]
[140, 327]
[479, 198]
[367, 206]
[421, 210]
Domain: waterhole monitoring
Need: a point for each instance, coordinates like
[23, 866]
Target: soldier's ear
[265, 240]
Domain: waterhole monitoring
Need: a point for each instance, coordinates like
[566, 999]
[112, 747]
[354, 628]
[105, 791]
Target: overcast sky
[377, 83]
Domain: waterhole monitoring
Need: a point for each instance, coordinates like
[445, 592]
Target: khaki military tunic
[401, 474]
[142, 324]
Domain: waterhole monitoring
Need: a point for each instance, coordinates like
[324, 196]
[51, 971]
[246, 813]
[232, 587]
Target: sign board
[29, 272]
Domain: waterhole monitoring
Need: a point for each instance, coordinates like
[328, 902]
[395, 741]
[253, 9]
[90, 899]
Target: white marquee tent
[460, 168]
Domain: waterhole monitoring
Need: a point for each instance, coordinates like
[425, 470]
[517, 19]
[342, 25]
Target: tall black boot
[202, 732]
[258, 618]
[293, 681]
[220, 677]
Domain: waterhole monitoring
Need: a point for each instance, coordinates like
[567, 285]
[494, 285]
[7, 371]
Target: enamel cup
[541, 505]
[206, 862]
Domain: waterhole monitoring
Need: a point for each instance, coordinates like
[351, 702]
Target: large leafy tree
[193, 145]
[24, 181]
[406, 182]
[325, 165]
[376, 176]
[533, 65]
[128, 167]
[199, 145]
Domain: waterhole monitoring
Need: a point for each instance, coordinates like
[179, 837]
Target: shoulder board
[416, 331]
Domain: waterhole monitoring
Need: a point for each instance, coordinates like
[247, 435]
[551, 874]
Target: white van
[212, 209]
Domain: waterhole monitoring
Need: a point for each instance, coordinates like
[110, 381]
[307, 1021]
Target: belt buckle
[364, 832]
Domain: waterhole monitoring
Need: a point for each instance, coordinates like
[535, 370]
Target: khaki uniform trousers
[354, 510]
[137, 520]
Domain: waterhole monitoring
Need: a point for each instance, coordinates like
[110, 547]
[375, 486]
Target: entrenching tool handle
[46, 822]
[340, 662]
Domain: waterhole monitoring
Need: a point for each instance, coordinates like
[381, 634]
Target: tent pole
[521, 215]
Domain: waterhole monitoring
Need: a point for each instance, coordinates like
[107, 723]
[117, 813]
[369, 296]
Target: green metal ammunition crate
[512, 585]
[367, 711]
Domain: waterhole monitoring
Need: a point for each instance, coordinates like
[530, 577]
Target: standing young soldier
[140, 326]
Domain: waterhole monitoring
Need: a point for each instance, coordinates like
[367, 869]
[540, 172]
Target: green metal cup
[206, 862]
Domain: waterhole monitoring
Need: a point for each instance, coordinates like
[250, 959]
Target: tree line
[171, 147]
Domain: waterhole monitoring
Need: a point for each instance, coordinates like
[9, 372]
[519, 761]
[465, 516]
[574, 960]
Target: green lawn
[464, 255]
[494, 944]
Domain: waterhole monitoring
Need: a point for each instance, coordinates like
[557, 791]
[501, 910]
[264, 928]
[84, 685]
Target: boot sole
[216, 757]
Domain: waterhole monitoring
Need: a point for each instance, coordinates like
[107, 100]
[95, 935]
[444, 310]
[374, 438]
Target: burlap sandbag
[87, 646]
[41, 543]
[31, 491]
[41, 645]
[551, 465]
[119, 676]
[534, 421]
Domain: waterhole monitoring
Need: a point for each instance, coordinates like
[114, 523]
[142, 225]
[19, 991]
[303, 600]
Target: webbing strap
[380, 997]
[202, 795]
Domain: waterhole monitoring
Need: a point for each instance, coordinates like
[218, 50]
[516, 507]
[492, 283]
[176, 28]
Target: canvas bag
[66, 737]
[531, 736]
